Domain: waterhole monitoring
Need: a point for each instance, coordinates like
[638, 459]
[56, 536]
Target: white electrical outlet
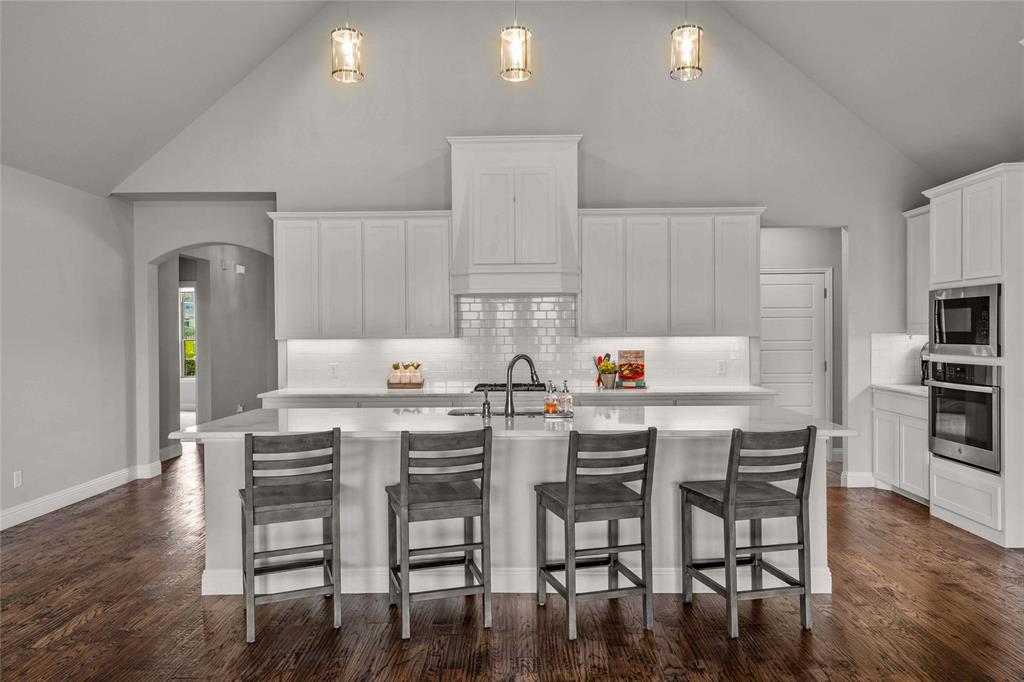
[334, 369]
[17, 478]
[723, 367]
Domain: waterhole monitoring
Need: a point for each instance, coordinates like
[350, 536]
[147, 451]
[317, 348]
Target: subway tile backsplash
[492, 329]
[896, 358]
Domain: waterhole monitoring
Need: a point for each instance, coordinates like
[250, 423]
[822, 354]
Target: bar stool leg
[249, 573]
[467, 537]
[804, 557]
[392, 555]
[731, 600]
[648, 571]
[570, 575]
[542, 550]
[613, 557]
[485, 562]
[403, 529]
[687, 525]
[756, 572]
[325, 537]
[336, 563]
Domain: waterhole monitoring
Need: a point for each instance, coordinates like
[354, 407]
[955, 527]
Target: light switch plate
[17, 478]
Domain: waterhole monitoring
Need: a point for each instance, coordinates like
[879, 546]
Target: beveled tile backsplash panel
[493, 329]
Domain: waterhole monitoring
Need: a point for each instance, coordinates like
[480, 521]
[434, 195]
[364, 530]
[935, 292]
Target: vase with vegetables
[607, 369]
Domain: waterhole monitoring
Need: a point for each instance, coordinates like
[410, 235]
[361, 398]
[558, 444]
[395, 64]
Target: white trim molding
[47, 503]
[857, 479]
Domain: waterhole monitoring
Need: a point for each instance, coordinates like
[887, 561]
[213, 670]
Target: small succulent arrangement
[405, 373]
[607, 369]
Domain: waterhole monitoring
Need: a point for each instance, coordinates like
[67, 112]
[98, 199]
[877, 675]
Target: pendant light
[346, 53]
[684, 51]
[514, 48]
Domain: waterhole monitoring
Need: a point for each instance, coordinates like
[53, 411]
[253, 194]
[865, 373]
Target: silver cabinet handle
[962, 387]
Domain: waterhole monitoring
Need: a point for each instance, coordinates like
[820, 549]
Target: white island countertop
[462, 388]
[697, 421]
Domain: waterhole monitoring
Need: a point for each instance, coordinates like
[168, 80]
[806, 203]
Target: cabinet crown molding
[972, 178]
[493, 139]
[284, 215]
[695, 210]
[914, 212]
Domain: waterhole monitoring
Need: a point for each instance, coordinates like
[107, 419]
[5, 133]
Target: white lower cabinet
[362, 275]
[900, 443]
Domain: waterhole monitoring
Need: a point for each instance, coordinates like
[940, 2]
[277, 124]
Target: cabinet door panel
[983, 229]
[295, 280]
[341, 278]
[429, 298]
[494, 227]
[886, 446]
[914, 456]
[384, 278]
[917, 274]
[536, 224]
[692, 293]
[737, 276]
[946, 234]
[647, 276]
[604, 277]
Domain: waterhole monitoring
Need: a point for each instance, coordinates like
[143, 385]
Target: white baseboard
[150, 470]
[508, 580]
[62, 498]
[857, 479]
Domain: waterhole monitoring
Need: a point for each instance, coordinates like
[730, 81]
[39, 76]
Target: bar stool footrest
[287, 551]
[444, 549]
[289, 566]
[294, 594]
[580, 563]
[792, 585]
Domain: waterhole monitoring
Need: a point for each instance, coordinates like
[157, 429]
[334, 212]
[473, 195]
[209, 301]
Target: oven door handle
[962, 387]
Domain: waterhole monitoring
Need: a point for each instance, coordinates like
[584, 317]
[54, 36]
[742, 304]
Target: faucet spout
[510, 408]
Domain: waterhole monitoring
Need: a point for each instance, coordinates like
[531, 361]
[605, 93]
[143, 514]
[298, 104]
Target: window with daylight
[187, 330]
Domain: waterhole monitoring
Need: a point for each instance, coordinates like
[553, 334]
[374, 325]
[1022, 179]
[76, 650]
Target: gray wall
[814, 247]
[67, 337]
[237, 353]
[753, 130]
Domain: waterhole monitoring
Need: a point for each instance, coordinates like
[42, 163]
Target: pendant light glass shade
[514, 43]
[684, 52]
[346, 55]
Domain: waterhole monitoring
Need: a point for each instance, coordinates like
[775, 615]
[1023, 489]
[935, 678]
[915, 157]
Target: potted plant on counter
[608, 370]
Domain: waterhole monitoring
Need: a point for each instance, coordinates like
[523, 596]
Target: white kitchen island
[693, 444]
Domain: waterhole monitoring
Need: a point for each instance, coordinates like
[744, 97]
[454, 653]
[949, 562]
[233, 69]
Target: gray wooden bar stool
[595, 490]
[290, 478]
[441, 484]
[748, 494]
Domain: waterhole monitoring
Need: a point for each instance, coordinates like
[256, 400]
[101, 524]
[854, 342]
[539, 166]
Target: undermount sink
[477, 412]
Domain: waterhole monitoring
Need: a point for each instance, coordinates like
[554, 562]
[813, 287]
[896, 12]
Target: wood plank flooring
[109, 589]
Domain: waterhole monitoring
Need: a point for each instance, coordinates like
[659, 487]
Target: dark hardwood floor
[109, 589]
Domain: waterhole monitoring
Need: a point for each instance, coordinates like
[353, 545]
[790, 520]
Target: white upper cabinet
[672, 272]
[295, 279]
[362, 275]
[647, 276]
[603, 301]
[967, 225]
[692, 292]
[737, 275]
[384, 277]
[428, 301]
[918, 277]
[946, 238]
[514, 221]
[341, 279]
[983, 233]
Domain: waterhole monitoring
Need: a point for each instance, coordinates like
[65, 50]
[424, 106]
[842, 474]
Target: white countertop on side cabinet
[699, 421]
[906, 389]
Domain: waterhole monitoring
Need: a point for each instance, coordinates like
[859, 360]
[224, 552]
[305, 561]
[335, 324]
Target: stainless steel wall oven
[964, 413]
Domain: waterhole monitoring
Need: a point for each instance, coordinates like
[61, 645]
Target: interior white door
[793, 340]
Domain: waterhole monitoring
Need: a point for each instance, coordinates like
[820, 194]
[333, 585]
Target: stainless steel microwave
[965, 321]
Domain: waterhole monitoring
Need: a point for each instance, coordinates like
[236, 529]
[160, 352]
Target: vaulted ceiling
[91, 90]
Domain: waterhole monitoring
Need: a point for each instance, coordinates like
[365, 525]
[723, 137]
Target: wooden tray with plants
[405, 375]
